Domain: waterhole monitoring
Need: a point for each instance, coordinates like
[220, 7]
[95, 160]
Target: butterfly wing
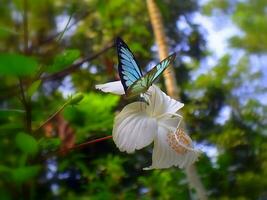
[129, 71]
[142, 85]
[156, 71]
[138, 87]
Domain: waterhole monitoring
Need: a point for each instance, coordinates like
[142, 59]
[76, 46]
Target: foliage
[40, 161]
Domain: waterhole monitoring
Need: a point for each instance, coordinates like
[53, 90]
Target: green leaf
[5, 195]
[17, 65]
[33, 88]
[11, 112]
[26, 143]
[4, 168]
[10, 126]
[74, 100]
[23, 174]
[5, 31]
[49, 143]
[64, 59]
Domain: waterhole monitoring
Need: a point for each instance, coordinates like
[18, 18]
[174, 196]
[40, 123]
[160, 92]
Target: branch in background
[52, 116]
[76, 66]
[27, 108]
[26, 102]
[73, 100]
[56, 35]
[171, 86]
[25, 26]
[13, 90]
[65, 28]
[85, 144]
[76, 147]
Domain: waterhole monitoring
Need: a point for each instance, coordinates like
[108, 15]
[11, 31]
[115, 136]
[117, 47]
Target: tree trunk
[171, 86]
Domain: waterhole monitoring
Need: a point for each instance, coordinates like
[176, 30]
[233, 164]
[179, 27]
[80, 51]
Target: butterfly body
[138, 87]
[132, 79]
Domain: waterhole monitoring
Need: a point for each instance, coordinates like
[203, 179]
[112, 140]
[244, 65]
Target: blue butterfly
[132, 79]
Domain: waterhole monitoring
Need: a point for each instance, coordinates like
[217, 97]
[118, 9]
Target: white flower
[112, 87]
[139, 124]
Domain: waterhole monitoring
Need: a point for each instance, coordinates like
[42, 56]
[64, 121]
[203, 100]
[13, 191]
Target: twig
[54, 36]
[76, 147]
[27, 107]
[26, 103]
[65, 28]
[74, 67]
[25, 26]
[13, 90]
[52, 116]
[82, 145]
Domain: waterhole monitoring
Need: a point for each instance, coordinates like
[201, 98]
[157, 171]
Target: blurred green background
[60, 47]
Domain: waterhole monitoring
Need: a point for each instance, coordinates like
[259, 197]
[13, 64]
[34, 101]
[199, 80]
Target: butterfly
[132, 79]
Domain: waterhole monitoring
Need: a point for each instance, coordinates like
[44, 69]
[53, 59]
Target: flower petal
[160, 103]
[133, 129]
[170, 121]
[114, 87]
[172, 150]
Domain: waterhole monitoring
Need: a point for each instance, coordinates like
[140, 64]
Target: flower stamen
[179, 141]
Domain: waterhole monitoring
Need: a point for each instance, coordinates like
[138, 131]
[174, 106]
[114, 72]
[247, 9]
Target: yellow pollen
[182, 138]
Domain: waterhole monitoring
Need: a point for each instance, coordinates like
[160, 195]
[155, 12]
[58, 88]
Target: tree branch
[52, 116]
[27, 107]
[85, 144]
[13, 90]
[25, 26]
[76, 66]
[54, 36]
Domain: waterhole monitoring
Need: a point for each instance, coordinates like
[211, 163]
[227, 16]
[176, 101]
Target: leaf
[23, 174]
[74, 100]
[84, 114]
[17, 65]
[33, 88]
[8, 126]
[26, 143]
[4, 168]
[64, 59]
[5, 195]
[11, 112]
[5, 31]
[49, 143]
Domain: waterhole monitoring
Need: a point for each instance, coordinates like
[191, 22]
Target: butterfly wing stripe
[131, 78]
[129, 70]
[133, 72]
[124, 56]
[127, 65]
[154, 73]
[126, 51]
[129, 62]
[162, 67]
[136, 88]
[126, 62]
[130, 73]
[130, 65]
[128, 83]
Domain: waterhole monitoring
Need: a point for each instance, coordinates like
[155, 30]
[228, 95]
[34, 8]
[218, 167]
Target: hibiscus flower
[139, 124]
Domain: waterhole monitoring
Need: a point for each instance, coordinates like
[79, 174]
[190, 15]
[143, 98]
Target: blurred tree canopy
[49, 48]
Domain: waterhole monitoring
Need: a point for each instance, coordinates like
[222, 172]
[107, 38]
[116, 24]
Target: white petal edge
[160, 103]
[133, 129]
[164, 156]
[114, 87]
